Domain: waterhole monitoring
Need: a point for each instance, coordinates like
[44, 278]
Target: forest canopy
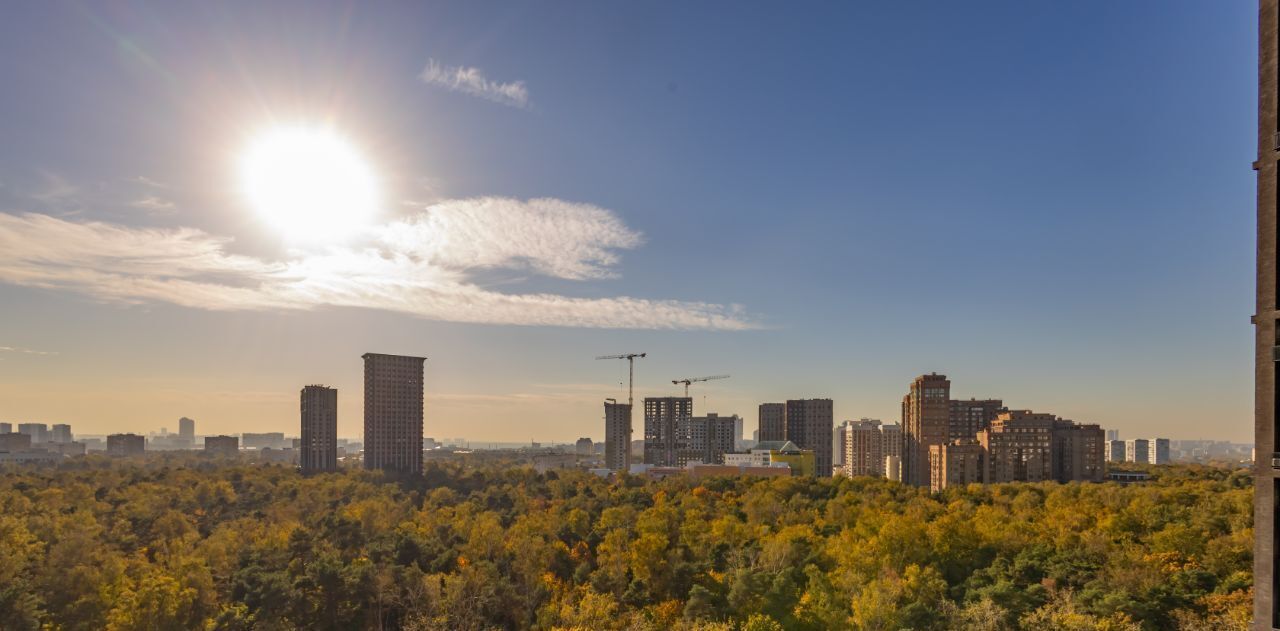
[185, 544]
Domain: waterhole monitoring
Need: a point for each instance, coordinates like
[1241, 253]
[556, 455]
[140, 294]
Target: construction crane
[686, 382]
[631, 365]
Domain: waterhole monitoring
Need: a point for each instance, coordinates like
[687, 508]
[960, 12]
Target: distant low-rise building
[29, 456]
[584, 446]
[221, 445]
[6, 428]
[66, 449]
[13, 441]
[771, 453]
[126, 445]
[264, 439]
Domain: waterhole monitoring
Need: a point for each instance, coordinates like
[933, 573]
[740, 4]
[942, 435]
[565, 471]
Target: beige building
[617, 435]
[957, 463]
[318, 446]
[393, 412]
[868, 445]
[1018, 447]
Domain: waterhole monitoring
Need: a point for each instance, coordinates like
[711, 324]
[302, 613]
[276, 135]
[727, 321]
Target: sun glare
[309, 184]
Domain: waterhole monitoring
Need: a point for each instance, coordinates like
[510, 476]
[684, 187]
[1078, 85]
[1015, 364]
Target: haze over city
[1051, 204]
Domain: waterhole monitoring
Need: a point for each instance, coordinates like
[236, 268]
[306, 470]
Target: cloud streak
[24, 351]
[420, 266]
[472, 81]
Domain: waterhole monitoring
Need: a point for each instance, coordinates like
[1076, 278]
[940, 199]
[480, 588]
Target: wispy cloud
[472, 81]
[146, 181]
[24, 351]
[419, 266]
[155, 205]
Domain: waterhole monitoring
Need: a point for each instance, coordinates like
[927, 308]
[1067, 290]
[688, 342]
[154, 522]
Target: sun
[309, 184]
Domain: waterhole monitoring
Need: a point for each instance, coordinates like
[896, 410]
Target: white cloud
[24, 351]
[153, 204]
[472, 81]
[417, 266]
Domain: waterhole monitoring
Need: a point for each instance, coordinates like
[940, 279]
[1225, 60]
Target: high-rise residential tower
[705, 439]
[926, 420]
[60, 433]
[1266, 320]
[809, 426]
[773, 422]
[393, 412]
[968, 417]
[664, 420]
[1137, 450]
[187, 431]
[319, 448]
[617, 435]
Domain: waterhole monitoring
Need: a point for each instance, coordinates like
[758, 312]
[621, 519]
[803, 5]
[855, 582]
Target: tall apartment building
[967, 418]
[773, 422]
[838, 446]
[705, 439]
[126, 445]
[957, 463]
[665, 419]
[1266, 320]
[1115, 450]
[1137, 450]
[187, 431]
[863, 446]
[222, 445]
[1158, 451]
[319, 445]
[926, 419]
[39, 432]
[809, 425]
[60, 433]
[1018, 447]
[617, 435]
[6, 428]
[1079, 452]
[393, 412]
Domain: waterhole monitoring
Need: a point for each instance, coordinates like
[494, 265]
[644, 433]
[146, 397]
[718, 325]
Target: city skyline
[1055, 282]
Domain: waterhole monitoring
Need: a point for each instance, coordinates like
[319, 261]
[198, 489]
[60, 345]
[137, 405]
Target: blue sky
[1051, 203]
